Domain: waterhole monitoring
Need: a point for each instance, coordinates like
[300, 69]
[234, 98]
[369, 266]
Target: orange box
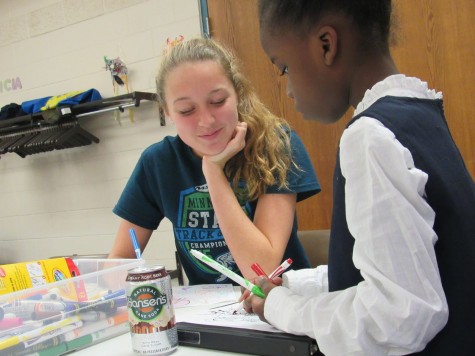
[25, 275]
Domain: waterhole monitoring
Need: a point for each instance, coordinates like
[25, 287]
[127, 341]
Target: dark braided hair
[371, 17]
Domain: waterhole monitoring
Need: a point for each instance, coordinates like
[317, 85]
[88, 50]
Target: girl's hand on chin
[236, 144]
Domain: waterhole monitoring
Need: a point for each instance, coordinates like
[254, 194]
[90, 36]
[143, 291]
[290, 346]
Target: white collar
[397, 85]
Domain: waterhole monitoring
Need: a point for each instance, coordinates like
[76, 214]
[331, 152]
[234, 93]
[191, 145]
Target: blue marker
[133, 237]
[113, 295]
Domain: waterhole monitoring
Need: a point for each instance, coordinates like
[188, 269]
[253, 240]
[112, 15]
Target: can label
[151, 314]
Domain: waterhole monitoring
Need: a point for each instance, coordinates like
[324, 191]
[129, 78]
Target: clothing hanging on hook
[31, 140]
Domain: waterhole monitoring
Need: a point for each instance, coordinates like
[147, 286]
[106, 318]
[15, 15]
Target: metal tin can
[151, 314]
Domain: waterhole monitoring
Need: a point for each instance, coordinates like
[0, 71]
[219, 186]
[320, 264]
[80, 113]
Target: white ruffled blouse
[400, 305]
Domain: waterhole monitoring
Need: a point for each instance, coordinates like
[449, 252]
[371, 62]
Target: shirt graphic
[197, 228]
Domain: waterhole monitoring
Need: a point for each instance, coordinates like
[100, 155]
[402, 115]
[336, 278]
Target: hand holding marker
[228, 273]
[260, 272]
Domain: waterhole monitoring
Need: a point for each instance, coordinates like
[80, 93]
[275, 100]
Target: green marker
[228, 273]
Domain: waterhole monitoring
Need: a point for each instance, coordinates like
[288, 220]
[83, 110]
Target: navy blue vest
[420, 126]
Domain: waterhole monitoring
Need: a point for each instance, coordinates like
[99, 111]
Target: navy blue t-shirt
[168, 182]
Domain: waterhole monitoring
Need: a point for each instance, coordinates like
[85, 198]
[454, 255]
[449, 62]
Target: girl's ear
[325, 43]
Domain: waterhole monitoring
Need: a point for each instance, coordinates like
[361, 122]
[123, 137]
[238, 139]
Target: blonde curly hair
[266, 157]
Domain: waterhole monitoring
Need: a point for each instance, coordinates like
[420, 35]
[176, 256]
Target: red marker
[281, 269]
[258, 269]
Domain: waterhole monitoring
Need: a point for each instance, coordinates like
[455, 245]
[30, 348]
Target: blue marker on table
[133, 237]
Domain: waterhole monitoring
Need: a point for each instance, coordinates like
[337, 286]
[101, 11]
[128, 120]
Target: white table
[122, 345]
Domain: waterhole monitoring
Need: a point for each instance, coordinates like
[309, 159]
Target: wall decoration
[119, 76]
[10, 84]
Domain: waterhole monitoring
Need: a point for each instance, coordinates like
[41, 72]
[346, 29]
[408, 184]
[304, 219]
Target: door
[434, 42]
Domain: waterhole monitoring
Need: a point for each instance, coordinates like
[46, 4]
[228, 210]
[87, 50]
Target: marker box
[53, 309]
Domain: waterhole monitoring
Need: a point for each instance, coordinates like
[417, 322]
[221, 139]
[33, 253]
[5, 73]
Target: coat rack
[44, 139]
[59, 128]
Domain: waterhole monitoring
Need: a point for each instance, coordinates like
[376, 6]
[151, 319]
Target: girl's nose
[206, 118]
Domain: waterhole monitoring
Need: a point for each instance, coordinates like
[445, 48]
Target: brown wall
[435, 41]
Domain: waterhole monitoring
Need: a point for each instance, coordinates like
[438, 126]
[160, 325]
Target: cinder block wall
[60, 202]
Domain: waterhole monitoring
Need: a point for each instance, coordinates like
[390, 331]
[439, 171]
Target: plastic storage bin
[68, 315]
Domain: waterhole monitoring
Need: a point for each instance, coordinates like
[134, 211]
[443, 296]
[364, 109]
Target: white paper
[203, 295]
[226, 316]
